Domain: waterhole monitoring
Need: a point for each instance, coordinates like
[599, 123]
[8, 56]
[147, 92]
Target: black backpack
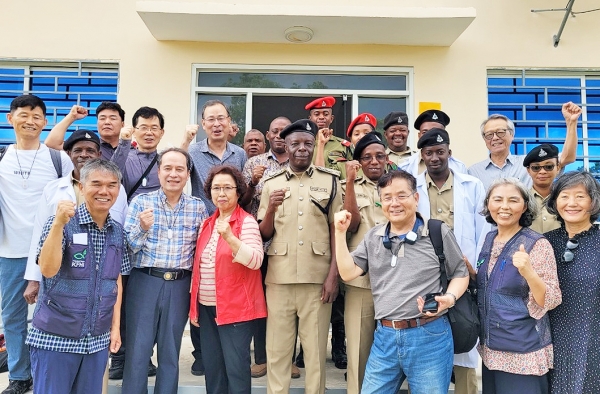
[464, 316]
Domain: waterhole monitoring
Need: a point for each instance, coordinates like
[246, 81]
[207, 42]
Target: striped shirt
[89, 344]
[171, 241]
[250, 255]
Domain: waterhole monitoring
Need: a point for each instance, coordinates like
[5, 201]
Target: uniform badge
[542, 153]
[434, 117]
[323, 103]
[400, 119]
[87, 135]
[367, 118]
[308, 127]
[439, 138]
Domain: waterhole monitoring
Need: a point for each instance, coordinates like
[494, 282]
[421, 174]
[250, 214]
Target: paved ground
[189, 383]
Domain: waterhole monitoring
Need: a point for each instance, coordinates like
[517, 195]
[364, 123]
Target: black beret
[302, 125]
[395, 118]
[81, 135]
[434, 137]
[371, 138]
[432, 115]
[540, 153]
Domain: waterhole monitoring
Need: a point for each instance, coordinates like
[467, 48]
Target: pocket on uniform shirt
[277, 249]
[285, 209]
[318, 198]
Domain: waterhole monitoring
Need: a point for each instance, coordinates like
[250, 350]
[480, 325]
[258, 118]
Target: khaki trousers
[466, 380]
[359, 320]
[285, 303]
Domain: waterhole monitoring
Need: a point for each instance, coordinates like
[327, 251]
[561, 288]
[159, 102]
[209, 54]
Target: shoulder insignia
[343, 182]
[347, 144]
[328, 170]
[341, 159]
[392, 166]
[275, 174]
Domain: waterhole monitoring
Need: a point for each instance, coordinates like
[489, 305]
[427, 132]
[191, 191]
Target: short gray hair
[532, 208]
[572, 179]
[99, 165]
[509, 123]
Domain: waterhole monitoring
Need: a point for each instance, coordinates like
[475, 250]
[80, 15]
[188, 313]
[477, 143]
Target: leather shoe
[197, 368]
[295, 372]
[151, 369]
[258, 370]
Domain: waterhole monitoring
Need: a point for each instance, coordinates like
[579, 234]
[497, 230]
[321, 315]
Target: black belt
[164, 273]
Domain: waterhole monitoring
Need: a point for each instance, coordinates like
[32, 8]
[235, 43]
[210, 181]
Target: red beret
[364, 118]
[323, 102]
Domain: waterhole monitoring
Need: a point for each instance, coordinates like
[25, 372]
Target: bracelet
[453, 296]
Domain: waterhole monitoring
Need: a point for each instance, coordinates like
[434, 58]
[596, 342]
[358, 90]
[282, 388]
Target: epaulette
[328, 170]
[343, 182]
[275, 174]
[346, 143]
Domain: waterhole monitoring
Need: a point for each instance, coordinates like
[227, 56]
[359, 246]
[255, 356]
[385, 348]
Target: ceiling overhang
[267, 23]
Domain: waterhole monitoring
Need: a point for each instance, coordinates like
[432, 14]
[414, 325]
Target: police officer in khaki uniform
[396, 128]
[330, 150]
[362, 200]
[296, 211]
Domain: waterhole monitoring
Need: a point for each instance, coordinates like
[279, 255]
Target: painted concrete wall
[504, 34]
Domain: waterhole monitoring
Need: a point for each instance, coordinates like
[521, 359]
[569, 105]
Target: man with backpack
[410, 343]
[25, 169]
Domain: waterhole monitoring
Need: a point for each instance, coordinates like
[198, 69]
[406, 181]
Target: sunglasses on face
[538, 168]
[568, 256]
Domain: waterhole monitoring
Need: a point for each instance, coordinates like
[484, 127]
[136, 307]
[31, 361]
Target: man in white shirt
[25, 169]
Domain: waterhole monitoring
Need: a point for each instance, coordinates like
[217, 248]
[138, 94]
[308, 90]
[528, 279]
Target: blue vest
[502, 300]
[79, 300]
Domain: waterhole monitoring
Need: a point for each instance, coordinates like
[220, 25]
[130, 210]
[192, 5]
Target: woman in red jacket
[227, 292]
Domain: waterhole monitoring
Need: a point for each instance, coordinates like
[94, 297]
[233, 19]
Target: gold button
[299, 213]
[439, 210]
[300, 227]
[301, 243]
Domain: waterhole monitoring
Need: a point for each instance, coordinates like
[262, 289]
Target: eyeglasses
[226, 189]
[490, 134]
[537, 168]
[220, 119]
[367, 159]
[400, 198]
[144, 129]
[568, 256]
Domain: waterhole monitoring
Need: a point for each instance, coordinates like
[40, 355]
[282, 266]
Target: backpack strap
[435, 235]
[57, 161]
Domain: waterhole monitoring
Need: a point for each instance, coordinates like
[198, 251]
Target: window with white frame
[533, 100]
[60, 85]
[256, 94]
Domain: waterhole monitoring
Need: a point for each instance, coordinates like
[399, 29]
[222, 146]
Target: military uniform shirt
[441, 200]
[337, 152]
[399, 157]
[544, 221]
[300, 250]
[371, 214]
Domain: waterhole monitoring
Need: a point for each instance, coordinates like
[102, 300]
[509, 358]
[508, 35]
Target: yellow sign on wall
[425, 105]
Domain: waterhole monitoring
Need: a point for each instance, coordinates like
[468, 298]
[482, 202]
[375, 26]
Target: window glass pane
[380, 107]
[301, 81]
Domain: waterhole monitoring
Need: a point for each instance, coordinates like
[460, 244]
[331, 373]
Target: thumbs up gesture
[522, 262]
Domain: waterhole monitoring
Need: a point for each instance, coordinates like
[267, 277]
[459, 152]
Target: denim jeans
[14, 316]
[423, 355]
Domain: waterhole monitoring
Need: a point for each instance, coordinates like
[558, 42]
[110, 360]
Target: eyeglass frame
[224, 189]
[546, 167]
[500, 133]
[568, 255]
[145, 128]
[370, 158]
[401, 199]
[221, 119]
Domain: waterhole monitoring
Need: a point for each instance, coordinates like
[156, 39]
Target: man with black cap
[296, 211]
[330, 149]
[543, 166]
[456, 199]
[362, 201]
[427, 120]
[498, 132]
[396, 129]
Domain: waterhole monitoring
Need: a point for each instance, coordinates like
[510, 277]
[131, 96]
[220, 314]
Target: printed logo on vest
[79, 259]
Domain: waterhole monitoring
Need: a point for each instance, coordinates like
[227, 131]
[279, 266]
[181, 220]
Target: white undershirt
[18, 205]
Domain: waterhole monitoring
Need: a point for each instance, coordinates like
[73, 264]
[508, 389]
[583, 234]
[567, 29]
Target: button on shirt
[204, 160]
[89, 344]
[487, 171]
[544, 221]
[154, 248]
[441, 200]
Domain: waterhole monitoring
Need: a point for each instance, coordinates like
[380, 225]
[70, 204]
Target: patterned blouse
[540, 361]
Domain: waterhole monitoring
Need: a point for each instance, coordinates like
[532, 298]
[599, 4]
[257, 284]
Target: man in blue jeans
[403, 268]
[26, 167]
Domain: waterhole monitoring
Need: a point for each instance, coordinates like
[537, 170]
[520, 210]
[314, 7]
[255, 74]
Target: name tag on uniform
[80, 239]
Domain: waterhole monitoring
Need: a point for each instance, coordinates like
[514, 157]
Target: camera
[431, 305]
